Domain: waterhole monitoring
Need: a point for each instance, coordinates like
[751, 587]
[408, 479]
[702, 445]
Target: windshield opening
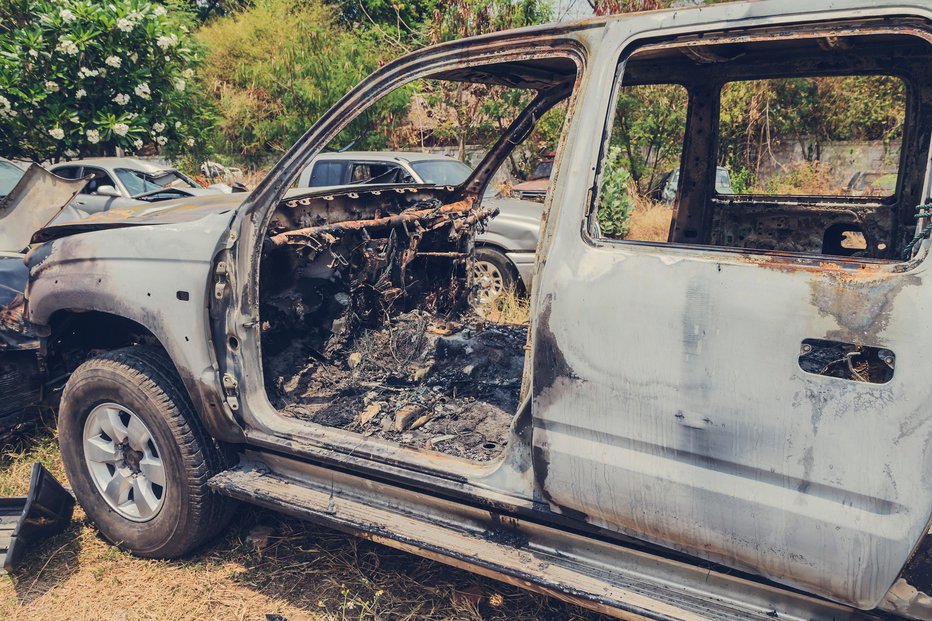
[442, 172]
[10, 174]
[138, 183]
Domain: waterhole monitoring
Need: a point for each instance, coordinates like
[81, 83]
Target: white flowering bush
[84, 77]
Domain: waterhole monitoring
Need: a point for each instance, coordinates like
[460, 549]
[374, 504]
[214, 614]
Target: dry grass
[305, 573]
[510, 307]
[650, 221]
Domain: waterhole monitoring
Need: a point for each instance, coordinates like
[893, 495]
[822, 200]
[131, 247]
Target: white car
[125, 181]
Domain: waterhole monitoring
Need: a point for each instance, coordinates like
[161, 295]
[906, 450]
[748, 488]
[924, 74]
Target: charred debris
[367, 322]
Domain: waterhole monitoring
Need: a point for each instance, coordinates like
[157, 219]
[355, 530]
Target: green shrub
[87, 77]
[616, 202]
[276, 67]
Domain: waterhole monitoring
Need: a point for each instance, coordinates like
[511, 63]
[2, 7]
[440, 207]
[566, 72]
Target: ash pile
[449, 386]
[367, 327]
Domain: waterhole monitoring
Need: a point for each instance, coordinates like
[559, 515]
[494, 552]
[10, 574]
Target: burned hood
[145, 214]
[32, 203]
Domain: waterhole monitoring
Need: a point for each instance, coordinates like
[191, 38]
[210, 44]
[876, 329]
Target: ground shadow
[324, 571]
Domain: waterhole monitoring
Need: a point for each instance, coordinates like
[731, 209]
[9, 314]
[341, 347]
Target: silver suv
[504, 250]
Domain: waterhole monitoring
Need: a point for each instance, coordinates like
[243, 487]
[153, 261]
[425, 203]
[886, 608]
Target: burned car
[29, 200]
[730, 424]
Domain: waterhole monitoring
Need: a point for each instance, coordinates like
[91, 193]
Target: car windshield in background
[10, 174]
[543, 170]
[442, 172]
[138, 182]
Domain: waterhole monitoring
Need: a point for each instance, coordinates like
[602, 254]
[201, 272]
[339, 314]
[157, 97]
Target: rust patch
[860, 303]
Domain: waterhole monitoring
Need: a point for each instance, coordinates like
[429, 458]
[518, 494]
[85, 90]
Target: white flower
[68, 47]
[142, 90]
[113, 61]
[124, 24]
[158, 128]
[84, 72]
[80, 93]
[188, 73]
[134, 57]
[167, 42]
[189, 142]
[121, 98]
[5, 108]
[57, 133]
[161, 140]
[93, 136]
[34, 53]
[180, 85]
[137, 144]
[120, 129]
[177, 124]
[159, 11]
[66, 16]
[51, 87]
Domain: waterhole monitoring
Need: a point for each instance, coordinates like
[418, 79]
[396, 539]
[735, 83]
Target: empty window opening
[801, 146]
[386, 310]
[814, 136]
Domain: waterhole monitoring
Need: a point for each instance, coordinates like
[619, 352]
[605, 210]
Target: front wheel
[494, 276]
[136, 455]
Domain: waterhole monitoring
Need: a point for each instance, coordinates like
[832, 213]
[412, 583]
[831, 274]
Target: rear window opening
[375, 319]
[810, 145]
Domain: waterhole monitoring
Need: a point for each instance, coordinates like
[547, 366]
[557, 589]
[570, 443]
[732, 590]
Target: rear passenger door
[768, 410]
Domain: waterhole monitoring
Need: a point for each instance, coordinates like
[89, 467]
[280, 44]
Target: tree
[84, 77]
[272, 83]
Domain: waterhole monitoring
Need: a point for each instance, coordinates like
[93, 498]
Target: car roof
[384, 156]
[115, 162]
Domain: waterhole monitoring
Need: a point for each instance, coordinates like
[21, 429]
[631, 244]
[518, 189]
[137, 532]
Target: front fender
[144, 279]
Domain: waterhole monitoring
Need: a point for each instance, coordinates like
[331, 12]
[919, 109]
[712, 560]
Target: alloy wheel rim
[124, 462]
[490, 282]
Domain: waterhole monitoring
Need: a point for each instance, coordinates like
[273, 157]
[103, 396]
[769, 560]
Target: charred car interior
[368, 318]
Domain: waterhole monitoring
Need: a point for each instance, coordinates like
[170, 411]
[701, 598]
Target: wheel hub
[124, 462]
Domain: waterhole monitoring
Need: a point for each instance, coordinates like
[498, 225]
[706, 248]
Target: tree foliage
[272, 83]
[84, 77]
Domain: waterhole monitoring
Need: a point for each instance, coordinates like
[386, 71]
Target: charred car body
[703, 465]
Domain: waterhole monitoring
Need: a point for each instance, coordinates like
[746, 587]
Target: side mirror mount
[107, 190]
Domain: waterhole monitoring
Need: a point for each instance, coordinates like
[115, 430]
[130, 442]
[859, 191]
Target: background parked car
[125, 181]
[10, 174]
[665, 191]
[535, 188]
[505, 250]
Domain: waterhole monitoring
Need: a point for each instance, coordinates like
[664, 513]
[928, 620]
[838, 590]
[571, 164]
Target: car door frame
[576, 475]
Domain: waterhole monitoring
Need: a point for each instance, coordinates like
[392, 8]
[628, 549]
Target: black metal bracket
[44, 512]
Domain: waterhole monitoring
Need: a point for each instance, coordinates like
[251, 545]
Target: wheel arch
[73, 334]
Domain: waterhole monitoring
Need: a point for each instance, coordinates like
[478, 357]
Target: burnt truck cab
[728, 422]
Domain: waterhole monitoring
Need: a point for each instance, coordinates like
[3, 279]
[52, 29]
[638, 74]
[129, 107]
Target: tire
[110, 395]
[494, 275]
